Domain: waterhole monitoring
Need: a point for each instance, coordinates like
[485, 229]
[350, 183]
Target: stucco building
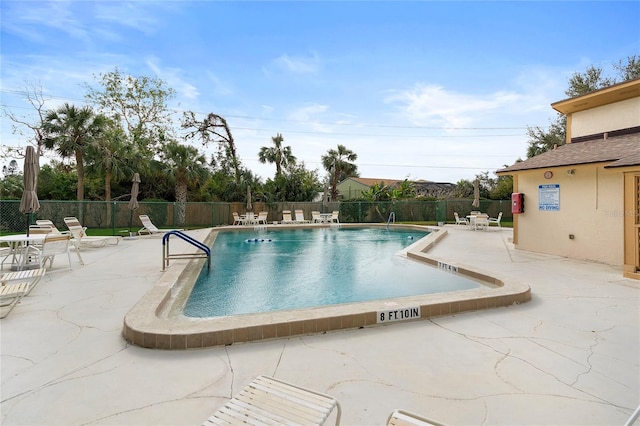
[582, 199]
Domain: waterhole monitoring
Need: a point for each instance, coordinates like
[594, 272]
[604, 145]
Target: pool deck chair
[148, 227]
[15, 285]
[271, 401]
[300, 217]
[286, 217]
[81, 239]
[496, 220]
[406, 418]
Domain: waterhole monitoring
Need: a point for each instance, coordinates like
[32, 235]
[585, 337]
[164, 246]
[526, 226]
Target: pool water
[262, 271]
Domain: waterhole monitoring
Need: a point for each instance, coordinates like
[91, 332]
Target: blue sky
[440, 91]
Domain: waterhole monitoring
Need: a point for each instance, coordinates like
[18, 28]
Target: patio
[570, 356]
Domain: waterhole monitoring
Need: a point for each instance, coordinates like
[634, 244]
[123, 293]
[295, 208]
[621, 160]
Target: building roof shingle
[621, 151]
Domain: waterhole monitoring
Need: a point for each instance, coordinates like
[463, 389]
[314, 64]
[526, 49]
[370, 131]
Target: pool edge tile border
[145, 324]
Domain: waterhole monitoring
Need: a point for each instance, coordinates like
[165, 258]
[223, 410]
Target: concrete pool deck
[570, 356]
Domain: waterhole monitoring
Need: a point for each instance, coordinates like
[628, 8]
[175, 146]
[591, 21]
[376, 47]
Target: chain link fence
[116, 216]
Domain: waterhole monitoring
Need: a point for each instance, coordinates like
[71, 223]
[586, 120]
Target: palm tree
[339, 164]
[186, 166]
[70, 130]
[111, 156]
[279, 155]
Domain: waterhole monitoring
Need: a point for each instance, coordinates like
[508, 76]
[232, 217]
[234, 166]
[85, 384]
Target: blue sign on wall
[549, 197]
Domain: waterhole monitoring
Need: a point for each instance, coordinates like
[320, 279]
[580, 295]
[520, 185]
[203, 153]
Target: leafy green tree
[140, 103]
[379, 191]
[56, 181]
[297, 183]
[70, 131]
[186, 167]
[279, 155]
[11, 187]
[340, 163]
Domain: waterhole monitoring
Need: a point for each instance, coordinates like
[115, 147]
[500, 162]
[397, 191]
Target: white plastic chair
[53, 244]
[315, 217]
[300, 217]
[460, 220]
[286, 216]
[334, 216]
[496, 220]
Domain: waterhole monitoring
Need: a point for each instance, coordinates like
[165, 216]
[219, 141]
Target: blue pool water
[301, 268]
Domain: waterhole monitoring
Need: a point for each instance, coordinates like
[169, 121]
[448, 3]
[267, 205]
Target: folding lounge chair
[271, 401]
[300, 217]
[149, 228]
[406, 418]
[286, 217]
[79, 234]
[334, 216]
[15, 285]
[236, 219]
[262, 218]
[50, 224]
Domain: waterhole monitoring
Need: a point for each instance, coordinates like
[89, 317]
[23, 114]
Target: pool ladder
[166, 255]
[392, 216]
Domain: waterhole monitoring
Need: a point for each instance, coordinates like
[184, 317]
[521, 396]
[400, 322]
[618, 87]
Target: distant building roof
[373, 181]
[620, 151]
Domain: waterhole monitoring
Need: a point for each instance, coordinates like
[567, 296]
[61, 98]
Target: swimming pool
[158, 320]
[265, 271]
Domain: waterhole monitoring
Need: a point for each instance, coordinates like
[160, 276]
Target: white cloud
[174, 79]
[297, 64]
[432, 105]
[308, 114]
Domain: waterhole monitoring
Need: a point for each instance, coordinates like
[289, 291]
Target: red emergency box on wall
[517, 203]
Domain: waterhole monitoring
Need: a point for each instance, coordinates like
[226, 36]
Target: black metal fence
[115, 215]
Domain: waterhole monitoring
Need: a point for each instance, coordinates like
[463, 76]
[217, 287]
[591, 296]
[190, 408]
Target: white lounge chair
[407, 418]
[460, 220]
[236, 219]
[50, 224]
[315, 217]
[271, 401]
[148, 228]
[262, 218]
[300, 217]
[334, 216]
[496, 220]
[286, 217]
[15, 285]
[79, 234]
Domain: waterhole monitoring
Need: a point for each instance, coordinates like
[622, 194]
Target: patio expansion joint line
[476, 339]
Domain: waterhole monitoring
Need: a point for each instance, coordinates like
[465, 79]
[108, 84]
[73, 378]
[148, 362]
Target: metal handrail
[165, 249]
[392, 215]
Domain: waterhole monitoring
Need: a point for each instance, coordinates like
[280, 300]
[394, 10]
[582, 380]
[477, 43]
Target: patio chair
[407, 418]
[267, 400]
[315, 217]
[148, 228]
[286, 217]
[49, 223]
[334, 216]
[300, 217]
[236, 219]
[460, 220]
[80, 237]
[262, 218]
[481, 221]
[15, 285]
[53, 244]
[496, 220]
